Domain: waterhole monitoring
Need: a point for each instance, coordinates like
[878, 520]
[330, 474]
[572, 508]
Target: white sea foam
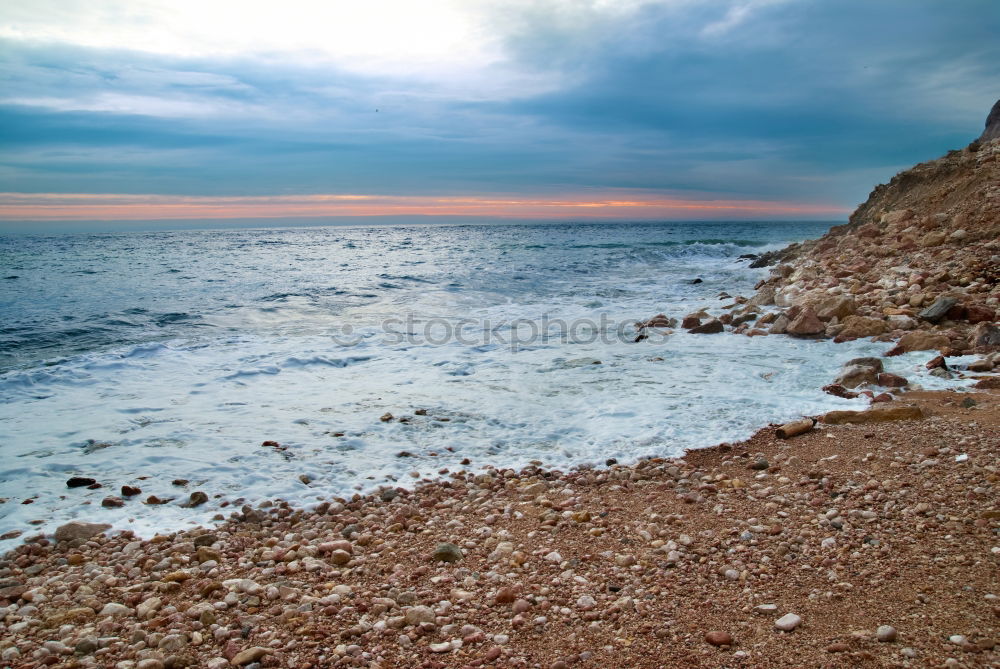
[149, 414]
[298, 336]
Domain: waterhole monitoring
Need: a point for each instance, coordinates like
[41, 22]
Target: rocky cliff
[919, 261]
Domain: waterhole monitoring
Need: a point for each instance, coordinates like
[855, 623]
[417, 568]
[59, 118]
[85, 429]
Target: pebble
[340, 557]
[717, 638]
[150, 663]
[886, 633]
[197, 498]
[787, 622]
[447, 553]
[419, 614]
[115, 609]
[505, 595]
[249, 655]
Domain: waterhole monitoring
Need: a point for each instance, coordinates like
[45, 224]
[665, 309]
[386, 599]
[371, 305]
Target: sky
[241, 110]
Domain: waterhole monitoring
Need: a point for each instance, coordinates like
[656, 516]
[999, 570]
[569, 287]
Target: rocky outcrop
[920, 256]
[992, 130]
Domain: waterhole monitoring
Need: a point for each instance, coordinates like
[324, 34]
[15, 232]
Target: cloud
[787, 101]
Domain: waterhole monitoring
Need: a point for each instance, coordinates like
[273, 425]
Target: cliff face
[921, 254]
[992, 130]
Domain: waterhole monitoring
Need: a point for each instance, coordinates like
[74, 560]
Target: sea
[374, 356]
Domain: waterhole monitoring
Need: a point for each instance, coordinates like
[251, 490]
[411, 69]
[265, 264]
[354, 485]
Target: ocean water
[140, 358]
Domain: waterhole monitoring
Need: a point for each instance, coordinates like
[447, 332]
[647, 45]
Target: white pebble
[787, 622]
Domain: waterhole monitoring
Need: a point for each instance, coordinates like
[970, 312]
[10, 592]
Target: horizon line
[610, 205]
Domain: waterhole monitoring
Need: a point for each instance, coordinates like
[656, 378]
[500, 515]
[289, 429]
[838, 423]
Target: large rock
[992, 130]
[857, 327]
[764, 296]
[985, 335]
[939, 309]
[780, 325]
[657, 321]
[881, 415]
[806, 323]
[79, 530]
[977, 313]
[837, 306]
[919, 341]
[889, 380]
[857, 375]
[874, 363]
[713, 326]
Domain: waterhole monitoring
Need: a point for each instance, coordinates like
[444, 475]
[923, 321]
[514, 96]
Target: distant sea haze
[139, 358]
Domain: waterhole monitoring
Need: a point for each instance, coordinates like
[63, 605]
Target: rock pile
[919, 262]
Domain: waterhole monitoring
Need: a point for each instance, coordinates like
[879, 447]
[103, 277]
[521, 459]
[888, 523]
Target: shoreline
[634, 564]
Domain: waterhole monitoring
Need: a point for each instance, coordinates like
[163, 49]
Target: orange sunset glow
[117, 207]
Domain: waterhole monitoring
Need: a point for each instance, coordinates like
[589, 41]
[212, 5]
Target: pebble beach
[862, 544]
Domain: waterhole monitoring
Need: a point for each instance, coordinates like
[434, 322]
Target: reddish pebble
[717, 638]
[520, 606]
[505, 596]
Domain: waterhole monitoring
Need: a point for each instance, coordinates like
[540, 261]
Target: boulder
[856, 327]
[856, 375]
[837, 306]
[764, 296]
[992, 130]
[879, 415]
[902, 322]
[933, 238]
[874, 363]
[937, 362]
[896, 216]
[79, 530]
[985, 335]
[713, 326]
[806, 323]
[919, 341]
[780, 325]
[888, 380]
[690, 322]
[977, 313]
[657, 321]
[939, 309]
[838, 390]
